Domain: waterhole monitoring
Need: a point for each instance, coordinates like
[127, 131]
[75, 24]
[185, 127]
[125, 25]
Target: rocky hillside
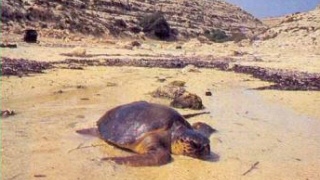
[187, 18]
[298, 29]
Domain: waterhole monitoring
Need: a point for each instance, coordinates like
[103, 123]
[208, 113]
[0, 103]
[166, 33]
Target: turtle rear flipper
[152, 158]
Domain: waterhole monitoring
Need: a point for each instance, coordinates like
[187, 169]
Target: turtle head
[191, 143]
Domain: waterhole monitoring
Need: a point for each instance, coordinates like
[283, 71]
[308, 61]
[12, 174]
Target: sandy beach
[261, 134]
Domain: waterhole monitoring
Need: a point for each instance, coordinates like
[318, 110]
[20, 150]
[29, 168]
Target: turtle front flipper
[152, 158]
[153, 149]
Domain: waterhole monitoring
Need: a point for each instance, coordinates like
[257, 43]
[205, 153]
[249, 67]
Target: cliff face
[187, 18]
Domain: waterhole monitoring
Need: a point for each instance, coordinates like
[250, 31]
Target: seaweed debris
[22, 67]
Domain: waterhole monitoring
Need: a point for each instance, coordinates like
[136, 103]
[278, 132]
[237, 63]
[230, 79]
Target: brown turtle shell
[126, 124]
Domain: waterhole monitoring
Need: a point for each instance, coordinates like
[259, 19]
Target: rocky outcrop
[180, 97]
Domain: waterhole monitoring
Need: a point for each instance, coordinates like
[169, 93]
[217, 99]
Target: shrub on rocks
[217, 35]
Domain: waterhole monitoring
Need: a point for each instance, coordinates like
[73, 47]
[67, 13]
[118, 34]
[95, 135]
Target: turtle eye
[195, 145]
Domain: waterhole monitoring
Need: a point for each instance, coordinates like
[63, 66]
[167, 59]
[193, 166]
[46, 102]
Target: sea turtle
[153, 131]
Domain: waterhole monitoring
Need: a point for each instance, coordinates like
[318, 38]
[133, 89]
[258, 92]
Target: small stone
[135, 44]
[81, 87]
[161, 79]
[208, 93]
[59, 92]
[111, 84]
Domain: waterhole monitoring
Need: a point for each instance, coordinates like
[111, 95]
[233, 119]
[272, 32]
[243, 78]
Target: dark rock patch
[156, 25]
[30, 36]
[2, 45]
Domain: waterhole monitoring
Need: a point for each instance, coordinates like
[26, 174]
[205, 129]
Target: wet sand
[277, 129]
